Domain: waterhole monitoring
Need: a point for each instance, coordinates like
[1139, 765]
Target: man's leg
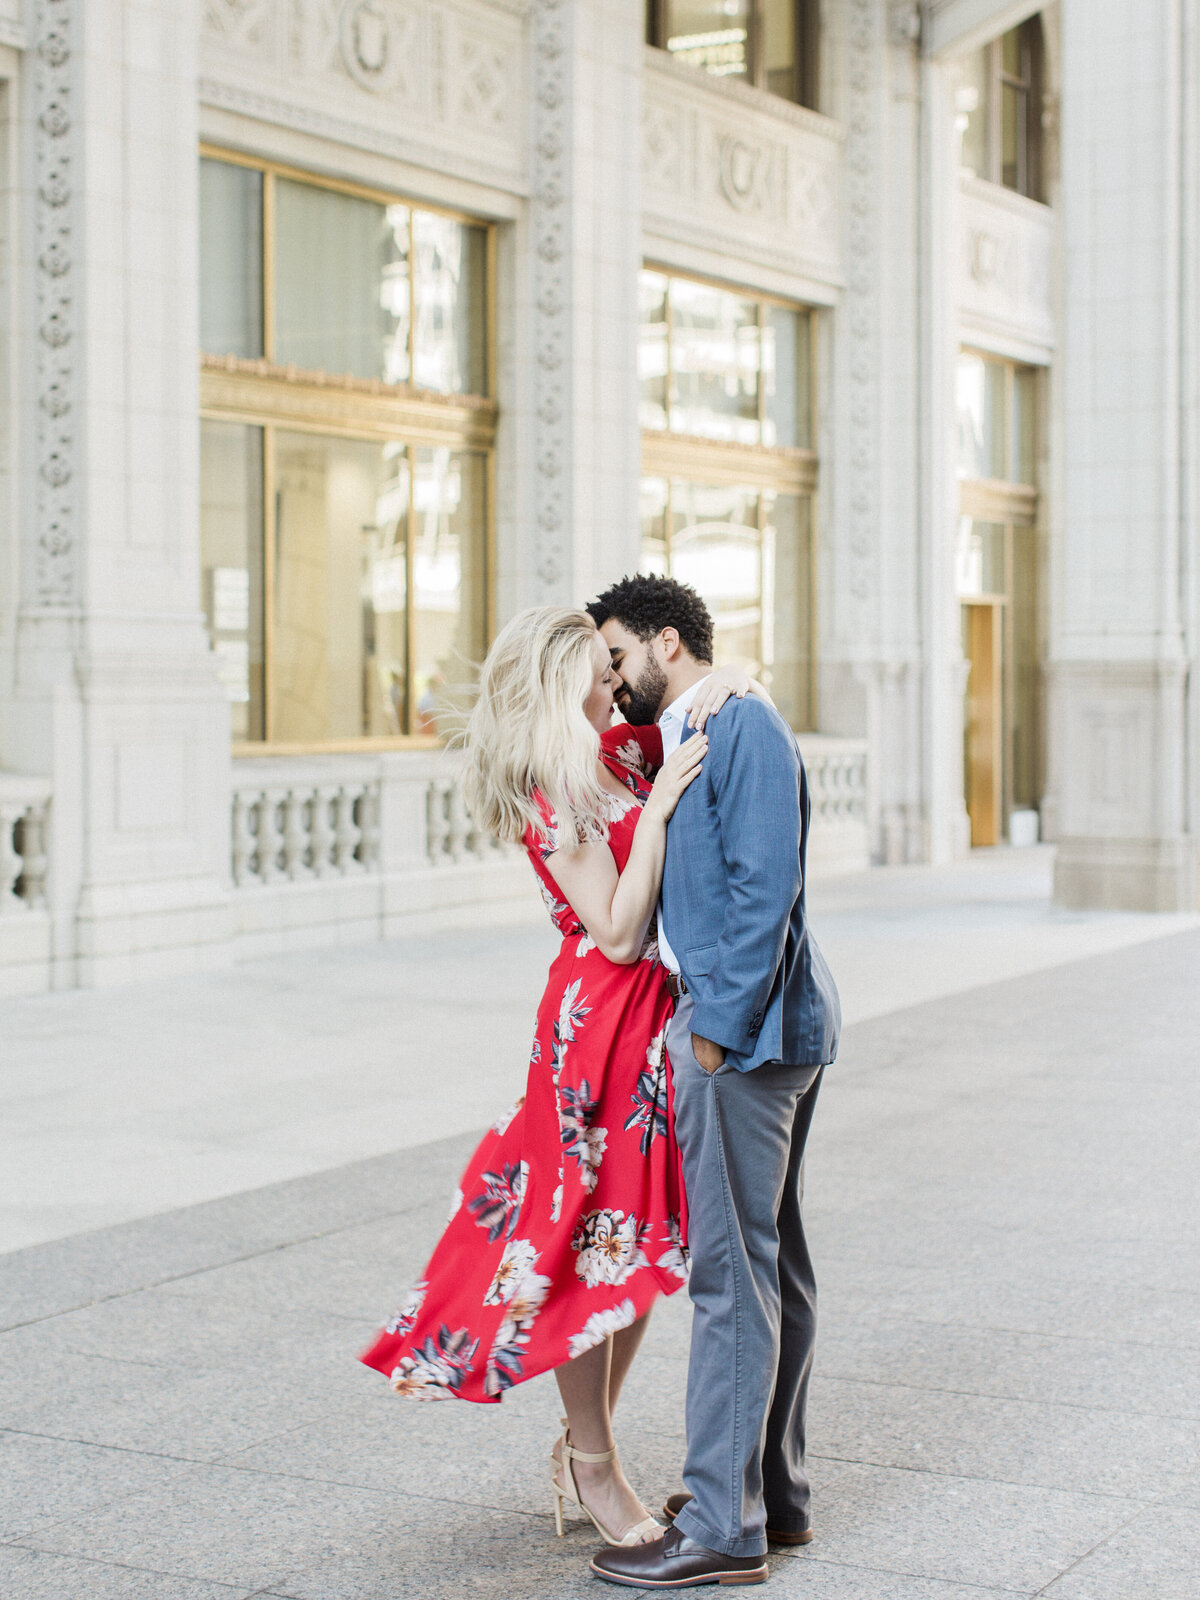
[735, 1135]
[785, 1481]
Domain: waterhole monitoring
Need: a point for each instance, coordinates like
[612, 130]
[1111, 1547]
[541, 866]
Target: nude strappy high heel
[569, 1491]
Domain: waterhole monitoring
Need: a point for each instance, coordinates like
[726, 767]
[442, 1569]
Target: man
[757, 1021]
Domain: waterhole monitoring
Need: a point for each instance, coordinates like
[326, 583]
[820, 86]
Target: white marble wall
[1124, 638]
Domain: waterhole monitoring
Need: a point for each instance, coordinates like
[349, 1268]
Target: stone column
[582, 433]
[115, 696]
[1119, 656]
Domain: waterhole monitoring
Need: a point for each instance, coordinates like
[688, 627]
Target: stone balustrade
[837, 786]
[24, 814]
[305, 826]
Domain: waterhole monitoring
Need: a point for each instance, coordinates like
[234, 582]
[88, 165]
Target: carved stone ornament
[862, 266]
[53, 565]
[985, 256]
[550, 219]
[372, 41]
[740, 168]
[904, 23]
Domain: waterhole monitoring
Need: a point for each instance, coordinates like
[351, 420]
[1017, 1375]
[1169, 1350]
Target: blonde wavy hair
[528, 731]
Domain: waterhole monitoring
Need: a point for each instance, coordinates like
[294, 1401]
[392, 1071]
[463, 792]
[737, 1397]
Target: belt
[675, 985]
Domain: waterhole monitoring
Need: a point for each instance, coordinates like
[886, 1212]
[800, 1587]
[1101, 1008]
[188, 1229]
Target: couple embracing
[676, 1061]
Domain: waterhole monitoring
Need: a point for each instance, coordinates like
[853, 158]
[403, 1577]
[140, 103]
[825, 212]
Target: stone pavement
[1003, 1209]
[121, 1103]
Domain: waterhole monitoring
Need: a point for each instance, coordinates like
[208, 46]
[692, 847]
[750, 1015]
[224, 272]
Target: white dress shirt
[671, 725]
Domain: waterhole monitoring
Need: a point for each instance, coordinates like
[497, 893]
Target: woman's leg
[584, 1386]
[625, 1345]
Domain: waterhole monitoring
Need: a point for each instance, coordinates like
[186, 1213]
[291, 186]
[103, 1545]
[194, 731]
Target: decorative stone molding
[1005, 279]
[54, 562]
[12, 26]
[441, 85]
[904, 23]
[551, 287]
[861, 316]
[736, 170]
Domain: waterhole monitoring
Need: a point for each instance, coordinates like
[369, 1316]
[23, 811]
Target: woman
[570, 1220]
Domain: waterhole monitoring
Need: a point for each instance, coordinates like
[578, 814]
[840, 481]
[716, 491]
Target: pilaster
[115, 699]
[581, 267]
[1120, 655]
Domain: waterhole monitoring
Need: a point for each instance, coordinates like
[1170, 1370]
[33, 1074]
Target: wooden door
[983, 644]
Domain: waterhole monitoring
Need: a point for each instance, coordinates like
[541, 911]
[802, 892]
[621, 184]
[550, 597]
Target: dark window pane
[231, 300]
[780, 48]
[342, 292]
[231, 558]
[1024, 467]
[1011, 53]
[1013, 111]
[786, 385]
[713, 35]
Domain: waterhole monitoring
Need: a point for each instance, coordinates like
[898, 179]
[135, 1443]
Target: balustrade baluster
[369, 824]
[270, 835]
[10, 860]
[345, 832]
[323, 834]
[241, 842]
[295, 835]
[33, 856]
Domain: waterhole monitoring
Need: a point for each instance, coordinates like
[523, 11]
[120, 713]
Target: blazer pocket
[698, 962]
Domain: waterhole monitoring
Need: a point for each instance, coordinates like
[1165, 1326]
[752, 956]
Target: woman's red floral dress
[570, 1218]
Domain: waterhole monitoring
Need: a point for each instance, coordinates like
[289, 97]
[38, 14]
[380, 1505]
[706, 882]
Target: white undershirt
[671, 725]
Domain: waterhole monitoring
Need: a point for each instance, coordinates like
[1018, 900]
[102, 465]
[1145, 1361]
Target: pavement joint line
[125, 1449]
[123, 1566]
[212, 1266]
[973, 1477]
[1099, 1545]
[810, 1555]
[1017, 1399]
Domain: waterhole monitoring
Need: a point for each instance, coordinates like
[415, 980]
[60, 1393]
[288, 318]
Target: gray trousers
[742, 1136]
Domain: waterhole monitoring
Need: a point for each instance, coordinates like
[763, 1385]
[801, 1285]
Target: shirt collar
[679, 708]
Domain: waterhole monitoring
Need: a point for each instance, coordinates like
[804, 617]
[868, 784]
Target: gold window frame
[260, 393]
[785, 469]
[1009, 505]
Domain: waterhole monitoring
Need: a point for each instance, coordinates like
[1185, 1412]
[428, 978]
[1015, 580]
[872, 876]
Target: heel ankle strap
[571, 1454]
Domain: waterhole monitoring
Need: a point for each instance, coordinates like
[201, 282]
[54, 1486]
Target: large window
[769, 43]
[1000, 110]
[996, 566]
[726, 383]
[344, 465]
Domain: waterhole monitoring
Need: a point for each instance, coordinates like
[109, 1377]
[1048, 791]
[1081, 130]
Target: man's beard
[643, 700]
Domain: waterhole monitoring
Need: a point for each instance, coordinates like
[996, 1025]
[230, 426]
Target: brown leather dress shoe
[675, 1503]
[675, 1562]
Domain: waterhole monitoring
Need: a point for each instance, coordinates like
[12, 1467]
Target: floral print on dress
[649, 1096]
[599, 1325]
[608, 1246]
[498, 1206]
[439, 1366]
[572, 1216]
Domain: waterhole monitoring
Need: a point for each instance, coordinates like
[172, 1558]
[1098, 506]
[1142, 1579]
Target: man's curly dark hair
[646, 605]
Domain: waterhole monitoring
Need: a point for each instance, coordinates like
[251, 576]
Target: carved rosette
[54, 567]
[551, 242]
[862, 265]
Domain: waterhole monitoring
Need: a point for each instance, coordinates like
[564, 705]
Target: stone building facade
[334, 331]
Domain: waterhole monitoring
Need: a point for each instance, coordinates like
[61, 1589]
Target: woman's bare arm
[616, 909]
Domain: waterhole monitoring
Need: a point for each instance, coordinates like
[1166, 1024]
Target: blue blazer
[733, 896]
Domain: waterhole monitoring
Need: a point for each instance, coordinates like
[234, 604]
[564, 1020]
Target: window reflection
[340, 637]
[231, 548]
[449, 600]
[449, 272]
[342, 286]
[652, 349]
[715, 361]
